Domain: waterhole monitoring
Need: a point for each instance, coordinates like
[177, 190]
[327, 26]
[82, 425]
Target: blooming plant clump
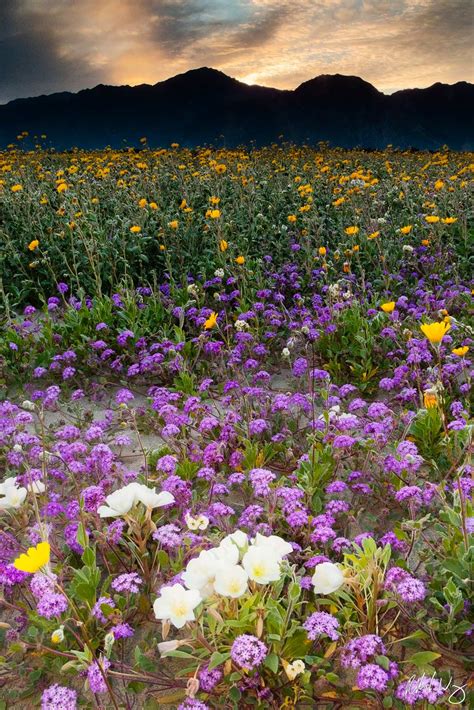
[236, 429]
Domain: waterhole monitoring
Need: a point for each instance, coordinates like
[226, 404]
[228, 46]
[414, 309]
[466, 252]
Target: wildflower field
[236, 429]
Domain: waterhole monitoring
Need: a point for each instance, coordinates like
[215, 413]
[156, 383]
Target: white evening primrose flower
[58, 635]
[122, 501]
[28, 405]
[176, 604]
[294, 669]
[274, 544]
[285, 353]
[238, 537]
[327, 578]
[36, 487]
[150, 498]
[231, 581]
[12, 495]
[261, 564]
[200, 573]
[219, 273]
[201, 522]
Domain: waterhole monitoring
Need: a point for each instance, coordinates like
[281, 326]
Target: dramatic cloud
[56, 45]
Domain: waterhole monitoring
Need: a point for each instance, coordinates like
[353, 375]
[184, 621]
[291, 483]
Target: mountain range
[205, 106]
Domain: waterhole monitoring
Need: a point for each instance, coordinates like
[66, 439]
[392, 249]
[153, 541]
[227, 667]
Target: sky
[67, 45]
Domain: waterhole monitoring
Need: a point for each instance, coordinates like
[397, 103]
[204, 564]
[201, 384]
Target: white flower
[294, 669]
[239, 538]
[327, 578]
[13, 495]
[231, 581]
[200, 573]
[36, 487]
[219, 273]
[199, 523]
[176, 604]
[408, 248]
[285, 353]
[150, 498]
[261, 564]
[28, 405]
[122, 501]
[275, 544]
[193, 289]
[241, 325]
[58, 635]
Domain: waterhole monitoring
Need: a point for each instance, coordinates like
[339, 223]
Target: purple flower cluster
[248, 652]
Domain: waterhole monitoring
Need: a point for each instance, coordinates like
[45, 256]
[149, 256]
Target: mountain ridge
[206, 106]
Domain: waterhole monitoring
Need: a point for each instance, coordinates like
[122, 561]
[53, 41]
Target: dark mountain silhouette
[205, 106]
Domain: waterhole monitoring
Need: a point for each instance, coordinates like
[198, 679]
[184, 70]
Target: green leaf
[423, 658]
[272, 662]
[217, 659]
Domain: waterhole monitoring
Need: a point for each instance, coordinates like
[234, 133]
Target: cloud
[33, 59]
[52, 45]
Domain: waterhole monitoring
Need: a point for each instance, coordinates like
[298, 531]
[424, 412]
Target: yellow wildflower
[34, 559]
[240, 260]
[211, 321]
[33, 245]
[135, 229]
[407, 229]
[435, 332]
[460, 352]
[351, 231]
[388, 307]
[173, 224]
[223, 245]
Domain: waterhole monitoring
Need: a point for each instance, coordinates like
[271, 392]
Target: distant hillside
[206, 106]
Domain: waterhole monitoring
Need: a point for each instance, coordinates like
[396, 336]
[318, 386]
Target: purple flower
[372, 677]
[208, 679]
[95, 675]
[52, 605]
[248, 652]
[122, 631]
[58, 697]
[321, 623]
[418, 689]
[127, 582]
[97, 608]
[260, 479]
[358, 651]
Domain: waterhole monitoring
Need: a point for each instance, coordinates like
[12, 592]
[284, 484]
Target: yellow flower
[435, 332]
[153, 206]
[388, 307]
[62, 187]
[220, 168]
[430, 400]
[17, 188]
[33, 245]
[460, 352]
[449, 220]
[322, 251]
[240, 260]
[211, 321]
[373, 235]
[34, 559]
[213, 214]
[162, 247]
[425, 242]
[291, 218]
[142, 202]
[223, 245]
[135, 229]
[407, 229]
[214, 200]
[439, 184]
[351, 231]
[431, 218]
[173, 224]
